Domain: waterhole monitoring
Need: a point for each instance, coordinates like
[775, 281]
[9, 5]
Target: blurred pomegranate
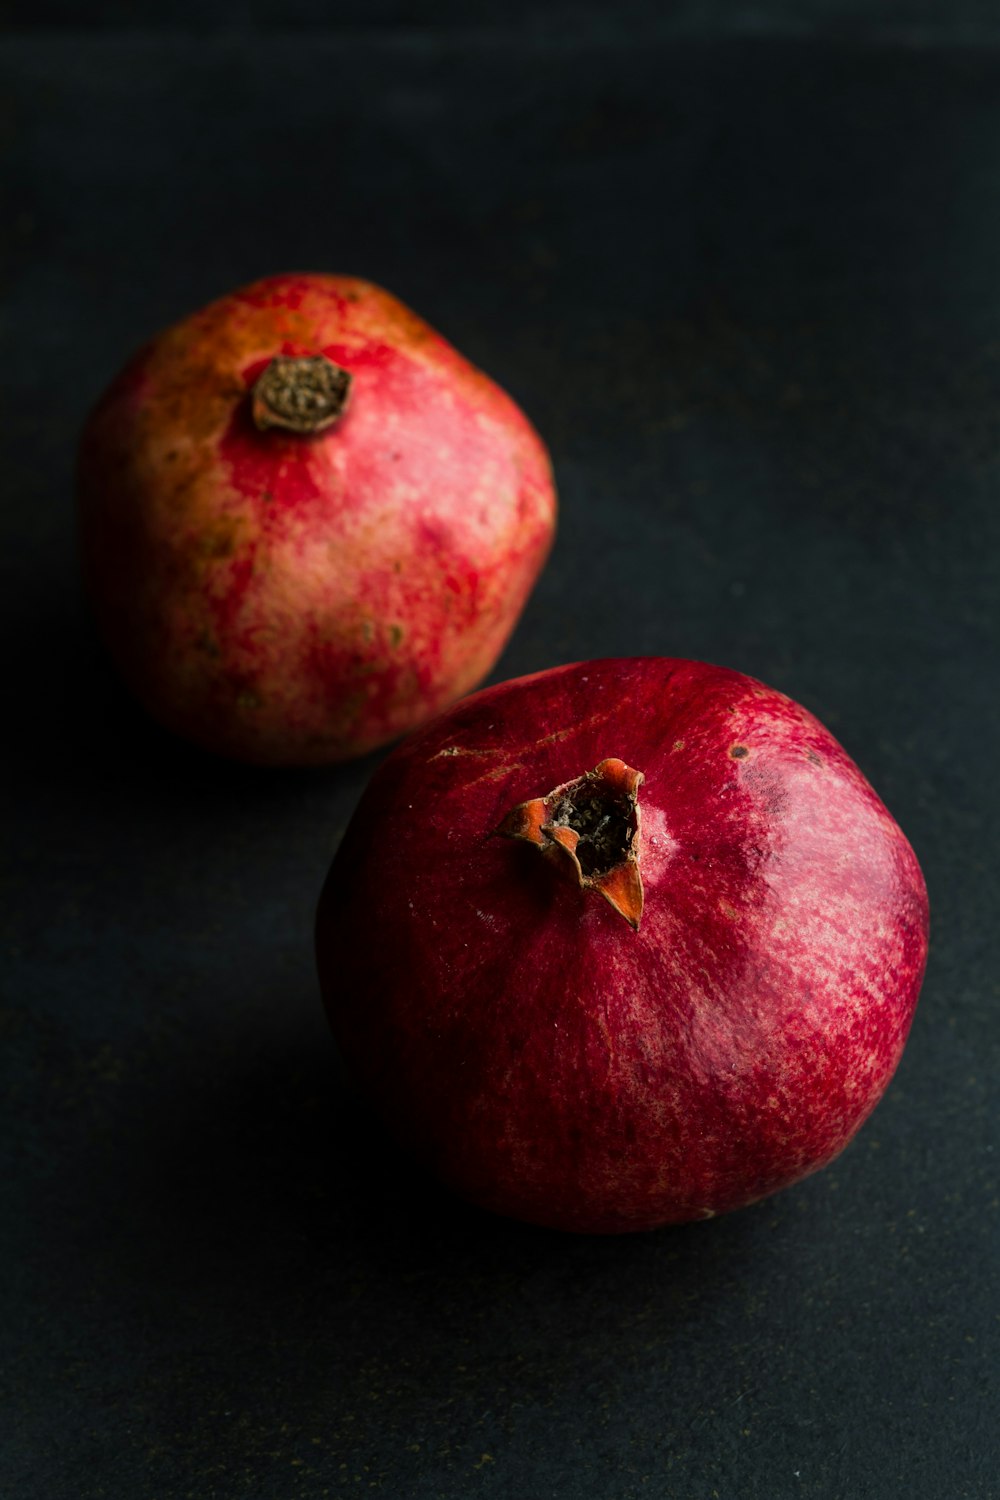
[307, 522]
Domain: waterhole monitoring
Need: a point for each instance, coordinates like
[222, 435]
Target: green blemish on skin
[247, 698]
[395, 636]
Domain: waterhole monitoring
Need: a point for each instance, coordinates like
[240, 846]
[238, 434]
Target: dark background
[742, 267]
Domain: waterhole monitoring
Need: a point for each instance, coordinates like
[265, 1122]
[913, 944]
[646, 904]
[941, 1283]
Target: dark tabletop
[742, 267]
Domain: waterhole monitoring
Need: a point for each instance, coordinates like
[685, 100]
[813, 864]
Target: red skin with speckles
[553, 1064]
[301, 599]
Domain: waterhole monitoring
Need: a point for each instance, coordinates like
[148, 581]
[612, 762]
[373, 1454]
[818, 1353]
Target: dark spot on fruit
[267, 497]
[219, 542]
[205, 642]
[604, 823]
[739, 752]
[813, 758]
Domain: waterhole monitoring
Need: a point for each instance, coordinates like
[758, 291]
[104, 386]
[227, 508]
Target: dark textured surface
[747, 287]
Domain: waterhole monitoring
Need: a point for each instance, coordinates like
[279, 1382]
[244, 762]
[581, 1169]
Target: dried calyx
[590, 829]
[301, 394]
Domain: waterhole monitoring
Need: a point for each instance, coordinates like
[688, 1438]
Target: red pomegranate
[694, 997]
[307, 522]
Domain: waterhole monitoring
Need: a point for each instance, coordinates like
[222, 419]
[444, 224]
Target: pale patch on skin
[498, 773]
[502, 771]
[450, 750]
[658, 845]
[594, 722]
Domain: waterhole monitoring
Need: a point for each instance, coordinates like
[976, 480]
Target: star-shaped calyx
[589, 828]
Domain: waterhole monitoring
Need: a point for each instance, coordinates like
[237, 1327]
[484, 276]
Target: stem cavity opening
[590, 829]
[303, 394]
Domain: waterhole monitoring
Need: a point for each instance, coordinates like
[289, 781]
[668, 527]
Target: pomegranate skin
[300, 598]
[548, 1061]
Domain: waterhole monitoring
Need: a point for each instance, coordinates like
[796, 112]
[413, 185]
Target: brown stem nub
[590, 829]
[302, 394]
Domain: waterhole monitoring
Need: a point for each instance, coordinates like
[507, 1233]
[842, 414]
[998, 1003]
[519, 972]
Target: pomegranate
[307, 522]
[622, 944]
